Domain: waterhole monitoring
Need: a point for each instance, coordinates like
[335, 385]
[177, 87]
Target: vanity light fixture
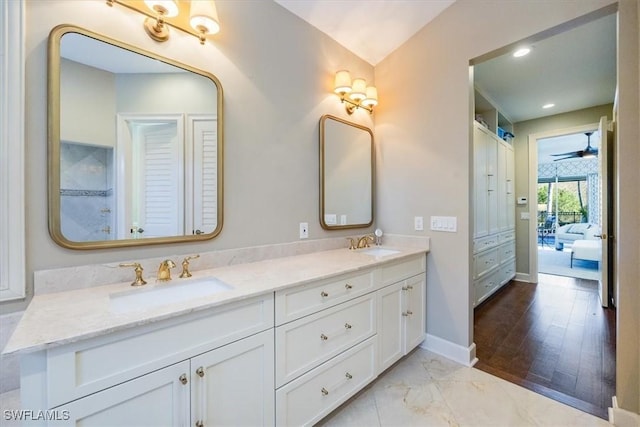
[355, 94]
[196, 17]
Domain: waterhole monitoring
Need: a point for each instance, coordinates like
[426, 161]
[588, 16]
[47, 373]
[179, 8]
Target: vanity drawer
[393, 273]
[79, 369]
[308, 399]
[310, 341]
[484, 262]
[300, 301]
[507, 251]
[484, 243]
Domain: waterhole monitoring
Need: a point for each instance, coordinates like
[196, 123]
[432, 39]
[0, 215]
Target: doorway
[533, 331]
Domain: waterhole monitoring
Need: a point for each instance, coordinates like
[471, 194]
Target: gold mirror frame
[325, 170]
[54, 144]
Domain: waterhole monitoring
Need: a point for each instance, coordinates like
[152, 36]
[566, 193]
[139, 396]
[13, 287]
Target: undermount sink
[166, 293]
[380, 252]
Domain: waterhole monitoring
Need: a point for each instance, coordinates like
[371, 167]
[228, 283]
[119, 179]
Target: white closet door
[158, 179]
[205, 174]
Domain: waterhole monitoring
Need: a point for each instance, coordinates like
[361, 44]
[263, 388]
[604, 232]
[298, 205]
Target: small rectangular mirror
[135, 145]
[347, 170]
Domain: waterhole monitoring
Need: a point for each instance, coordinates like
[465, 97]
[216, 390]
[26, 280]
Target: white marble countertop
[60, 318]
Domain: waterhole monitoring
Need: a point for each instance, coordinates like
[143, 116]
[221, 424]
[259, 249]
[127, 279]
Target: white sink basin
[166, 293]
[380, 252]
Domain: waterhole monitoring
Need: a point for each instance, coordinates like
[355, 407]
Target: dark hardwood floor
[553, 338]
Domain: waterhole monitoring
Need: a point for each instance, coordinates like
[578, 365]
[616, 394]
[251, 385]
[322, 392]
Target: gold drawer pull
[200, 371]
[347, 326]
[348, 286]
[199, 423]
[347, 377]
[183, 379]
[323, 294]
[323, 337]
[407, 313]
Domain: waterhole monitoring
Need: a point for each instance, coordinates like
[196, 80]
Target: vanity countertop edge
[56, 319]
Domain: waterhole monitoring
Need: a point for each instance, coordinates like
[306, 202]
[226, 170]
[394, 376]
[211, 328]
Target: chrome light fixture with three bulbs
[355, 94]
[196, 17]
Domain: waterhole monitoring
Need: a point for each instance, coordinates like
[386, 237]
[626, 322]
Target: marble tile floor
[425, 389]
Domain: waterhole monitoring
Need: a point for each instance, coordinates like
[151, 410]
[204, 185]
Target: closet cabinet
[494, 213]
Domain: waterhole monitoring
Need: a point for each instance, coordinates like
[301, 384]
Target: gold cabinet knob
[324, 294]
[183, 379]
[200, 372]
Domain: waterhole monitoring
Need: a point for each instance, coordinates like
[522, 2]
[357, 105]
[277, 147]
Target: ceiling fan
[588, 152]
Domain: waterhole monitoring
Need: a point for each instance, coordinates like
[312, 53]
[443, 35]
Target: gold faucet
[363, 242]
[185, 266]
[138, 270]
[164, 271]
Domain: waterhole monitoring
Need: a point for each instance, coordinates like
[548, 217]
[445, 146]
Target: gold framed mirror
[135, 145]
[347, 171]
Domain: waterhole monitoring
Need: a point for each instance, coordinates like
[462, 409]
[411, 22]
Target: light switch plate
[444, 223]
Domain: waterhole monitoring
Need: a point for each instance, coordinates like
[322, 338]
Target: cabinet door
[390, 325]
[511, 190]
[414, 315]
[156, 399]
[234, 384]
[492, 179]
[502, 187]
[480, 182]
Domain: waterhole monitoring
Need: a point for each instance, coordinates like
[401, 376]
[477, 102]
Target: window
[12, 227]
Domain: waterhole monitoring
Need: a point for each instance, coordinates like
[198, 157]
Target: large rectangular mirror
[135, 145]
[347, 171]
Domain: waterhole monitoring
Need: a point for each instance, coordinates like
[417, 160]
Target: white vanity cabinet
[200, 367]
[330, 334]
[401, 319]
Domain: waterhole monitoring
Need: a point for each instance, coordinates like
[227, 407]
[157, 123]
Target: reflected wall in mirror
[347, 171]
[135, 145]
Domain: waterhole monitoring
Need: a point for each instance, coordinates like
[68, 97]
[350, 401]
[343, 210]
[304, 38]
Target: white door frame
[533, 189]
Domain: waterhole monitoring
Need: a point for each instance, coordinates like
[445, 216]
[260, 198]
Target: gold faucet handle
[352, 243]
[185, 266]
[139, 281]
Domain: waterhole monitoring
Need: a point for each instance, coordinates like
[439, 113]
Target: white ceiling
[574, 69]
[371, 29]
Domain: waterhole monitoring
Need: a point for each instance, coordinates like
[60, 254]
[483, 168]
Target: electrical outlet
[304, 230]
[418, 223]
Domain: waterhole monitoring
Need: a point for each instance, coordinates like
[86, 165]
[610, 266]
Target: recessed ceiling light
[521, 52]
[550, 105]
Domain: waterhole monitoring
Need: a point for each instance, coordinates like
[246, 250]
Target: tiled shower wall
[86, 192]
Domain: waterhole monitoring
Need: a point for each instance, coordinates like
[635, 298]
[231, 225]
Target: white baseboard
[463, 355]
[523, 277]
[621, 417]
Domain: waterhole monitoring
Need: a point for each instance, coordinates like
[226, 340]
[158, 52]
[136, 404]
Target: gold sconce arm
[198, 18]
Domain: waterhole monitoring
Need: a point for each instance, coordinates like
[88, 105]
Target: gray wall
[423, 129]
[277, 85]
